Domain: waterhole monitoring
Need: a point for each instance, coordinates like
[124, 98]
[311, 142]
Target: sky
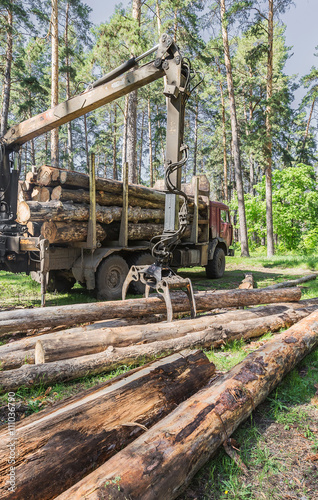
[301, 31]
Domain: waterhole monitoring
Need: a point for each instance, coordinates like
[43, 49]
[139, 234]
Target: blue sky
[301, 31]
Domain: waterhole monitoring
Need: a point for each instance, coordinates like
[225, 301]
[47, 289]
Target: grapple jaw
[160, 280]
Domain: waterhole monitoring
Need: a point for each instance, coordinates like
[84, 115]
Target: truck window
[225, 216]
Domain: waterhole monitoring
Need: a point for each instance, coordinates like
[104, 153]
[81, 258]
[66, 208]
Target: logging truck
[93, 230]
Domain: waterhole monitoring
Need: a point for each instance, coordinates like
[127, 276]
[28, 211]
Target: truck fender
[213, 244]
[85, 266]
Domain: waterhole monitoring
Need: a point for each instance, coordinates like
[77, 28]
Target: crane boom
[81, 104]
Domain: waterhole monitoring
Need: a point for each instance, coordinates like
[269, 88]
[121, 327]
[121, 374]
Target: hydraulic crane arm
[81, 104]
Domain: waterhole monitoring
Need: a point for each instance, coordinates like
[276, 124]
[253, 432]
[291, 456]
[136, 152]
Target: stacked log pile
[51, 198]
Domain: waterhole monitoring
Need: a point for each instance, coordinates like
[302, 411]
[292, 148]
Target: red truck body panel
[220, 222]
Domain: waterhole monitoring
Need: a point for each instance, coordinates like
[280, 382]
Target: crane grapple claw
[162, 281]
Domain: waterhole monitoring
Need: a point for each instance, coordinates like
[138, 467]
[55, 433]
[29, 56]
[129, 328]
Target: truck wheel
[111, 275]
[59, 282]
[142, 259]
[216, 266]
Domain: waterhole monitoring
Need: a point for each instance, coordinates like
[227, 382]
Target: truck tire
[60, 283]
[111, 275]
[216, 266]
[141, 259]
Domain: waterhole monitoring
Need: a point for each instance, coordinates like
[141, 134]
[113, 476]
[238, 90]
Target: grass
[285, 422]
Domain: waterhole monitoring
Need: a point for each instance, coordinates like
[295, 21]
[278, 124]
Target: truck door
[226, 231]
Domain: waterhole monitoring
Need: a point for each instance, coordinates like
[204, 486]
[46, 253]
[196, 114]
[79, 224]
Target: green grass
[290, 406]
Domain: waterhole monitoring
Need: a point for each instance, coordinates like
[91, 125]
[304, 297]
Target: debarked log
[70, 315]
[296, 282]
[95, 425]
[212, 333]
[162, 462]
[58, 211]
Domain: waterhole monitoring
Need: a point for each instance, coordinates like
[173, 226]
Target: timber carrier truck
[109, 268]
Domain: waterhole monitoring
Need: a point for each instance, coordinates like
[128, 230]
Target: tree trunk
[132, 112]
[141, 146]
[150, 145]
[97, 424]
[7, 77]
[235, 136]
[213, 334]
[34, 319]
[268, 155]
[307, 128]
[163, 461]
[57, 211]
[55, 81]
[68, 91]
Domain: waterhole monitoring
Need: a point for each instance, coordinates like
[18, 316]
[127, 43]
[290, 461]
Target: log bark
[19, 321]
[58, 211]
[112, 358]
[95, 425]
[122, 332]
[22, 351]
[164, 459]
[212, 333]
[78, 180]
[63, 232]
[102, 198]
[286, 284]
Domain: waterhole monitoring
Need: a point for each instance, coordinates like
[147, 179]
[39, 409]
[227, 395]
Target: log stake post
[195, 223]
[123, 234]
[91, 230]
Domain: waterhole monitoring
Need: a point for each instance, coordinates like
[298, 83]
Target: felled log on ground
[59, 446]
[58, 211]
[114, 357]
[63, 232]
[122, 332]
[20, 352]
[163, 461]
[20, 321]
[286, 284]
[247, 282]
[213, 334]
[33, 319]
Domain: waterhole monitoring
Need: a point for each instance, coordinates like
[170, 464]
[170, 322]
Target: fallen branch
[162, 461]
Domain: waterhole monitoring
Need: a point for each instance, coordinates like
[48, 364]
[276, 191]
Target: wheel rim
[113, 278]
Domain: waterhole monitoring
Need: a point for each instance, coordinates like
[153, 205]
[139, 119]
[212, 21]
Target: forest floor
[278, 443]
